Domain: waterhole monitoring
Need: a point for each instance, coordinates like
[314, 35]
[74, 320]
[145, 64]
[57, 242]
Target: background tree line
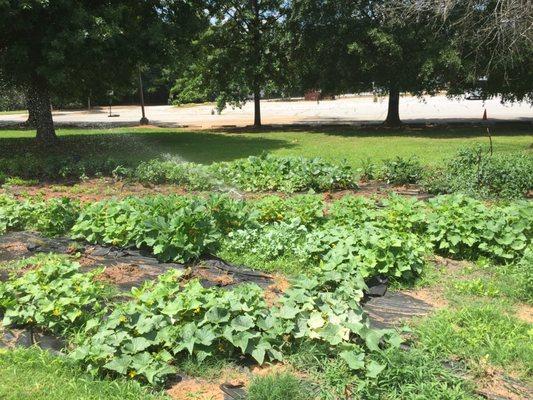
[232, 51]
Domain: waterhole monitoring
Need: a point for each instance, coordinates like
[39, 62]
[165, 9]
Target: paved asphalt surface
[345, 110]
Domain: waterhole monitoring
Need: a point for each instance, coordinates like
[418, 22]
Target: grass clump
[37, 375]
[280, 386]
[415, 374]
[480, 332]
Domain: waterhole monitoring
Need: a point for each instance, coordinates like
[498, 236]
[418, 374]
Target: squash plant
[55, 296]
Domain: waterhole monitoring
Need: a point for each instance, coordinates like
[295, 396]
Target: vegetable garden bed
[186, 304]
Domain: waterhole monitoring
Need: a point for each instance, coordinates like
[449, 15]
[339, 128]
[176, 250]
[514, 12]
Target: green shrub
[400, 171]
[353, 210]
[268, 242]
[369, 170]
[281, 386]
[269, 209]
[286, 174]
[172, 227]
[467, 228]
[476, 173]
[54, 217]
[190, 175]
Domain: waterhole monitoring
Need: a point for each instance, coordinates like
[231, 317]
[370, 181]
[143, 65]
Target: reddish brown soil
[92, 190]
[207, 389]
[12, 250]
[525, 313]
[220, 280]
[273, 292]
[432, 296]
[105, 188]
[494, 384]
[196, 389]
[121, 274]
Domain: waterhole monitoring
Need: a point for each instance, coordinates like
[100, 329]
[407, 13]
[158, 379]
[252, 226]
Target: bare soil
[97, 189]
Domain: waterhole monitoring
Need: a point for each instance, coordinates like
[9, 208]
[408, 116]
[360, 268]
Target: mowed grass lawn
[431, 145]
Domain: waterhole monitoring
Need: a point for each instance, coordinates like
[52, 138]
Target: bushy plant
[13, 214]
[352, 210]
[373, 251]
[267, 242]
[400, 171]
[467, 228]
[475, 172]
[52, 217]
[173, 227]
[309, 209]
[54, 167]
[190, 175]
[54, 295]
[55, 216]
[286, 174]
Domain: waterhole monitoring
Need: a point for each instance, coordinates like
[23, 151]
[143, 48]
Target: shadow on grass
[432, 131]
[199, 147]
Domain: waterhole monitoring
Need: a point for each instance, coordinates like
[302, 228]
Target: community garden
[155, 264]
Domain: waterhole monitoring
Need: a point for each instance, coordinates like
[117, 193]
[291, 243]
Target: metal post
[144, 120]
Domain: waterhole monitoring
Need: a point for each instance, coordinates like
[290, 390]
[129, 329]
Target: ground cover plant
[333, 245]
[480, 333]
[54, 296]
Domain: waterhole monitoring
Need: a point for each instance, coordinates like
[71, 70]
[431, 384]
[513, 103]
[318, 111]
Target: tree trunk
[393, 114]
[256, 45]
[30, 103]
[257, 108]
[41, 113]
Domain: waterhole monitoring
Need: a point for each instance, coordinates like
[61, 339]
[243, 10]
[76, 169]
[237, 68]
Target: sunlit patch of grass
[37, 375]
[480, 332]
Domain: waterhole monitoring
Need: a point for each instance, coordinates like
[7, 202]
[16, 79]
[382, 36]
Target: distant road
[345, 110]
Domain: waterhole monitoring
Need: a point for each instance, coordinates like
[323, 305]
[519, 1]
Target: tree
[494, 40]
[64, 48]
[238, 55]
[364, 47]
[319, 37]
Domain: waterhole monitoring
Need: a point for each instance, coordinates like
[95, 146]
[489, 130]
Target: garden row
[388, 236]
[470, 172]
[340, 245]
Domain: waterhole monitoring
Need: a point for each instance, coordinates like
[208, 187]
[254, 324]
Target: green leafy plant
[289, 174]
[174, 228]
[475, 172]
[52, 217]
[400, 171]
[374, 251]
[54, 296]
[467, 228]
[170, 318]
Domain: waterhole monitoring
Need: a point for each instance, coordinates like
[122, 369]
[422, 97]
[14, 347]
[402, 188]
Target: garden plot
[173, 302]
